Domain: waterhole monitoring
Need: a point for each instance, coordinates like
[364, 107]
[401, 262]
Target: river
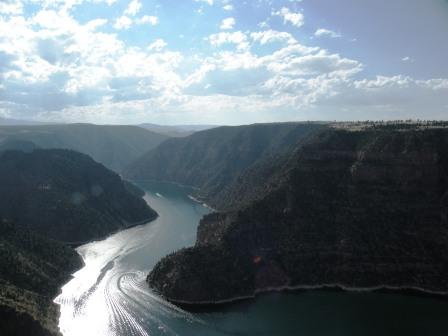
[109, 296]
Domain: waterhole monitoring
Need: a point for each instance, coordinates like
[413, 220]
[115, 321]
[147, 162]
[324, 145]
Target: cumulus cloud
[52, 63]
[296, 19]
[237, 38]
[133, 8]
[11, 7]
[54, 67]
[123, 22]
[209, 2]
[157, 45]
[322, 32]
[269, 36]
[148, 19]
[65, 5]
[228, 23]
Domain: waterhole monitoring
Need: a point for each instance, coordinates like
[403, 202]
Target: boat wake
[110, 295]
[121, 304]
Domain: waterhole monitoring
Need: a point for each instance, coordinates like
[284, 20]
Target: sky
[223, 61]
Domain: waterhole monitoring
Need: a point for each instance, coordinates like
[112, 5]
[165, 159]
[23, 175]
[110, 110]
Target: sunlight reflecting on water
[110, 296]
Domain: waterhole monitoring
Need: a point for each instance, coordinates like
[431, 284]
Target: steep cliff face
[66, 195]
[218, 160]
[355, 209]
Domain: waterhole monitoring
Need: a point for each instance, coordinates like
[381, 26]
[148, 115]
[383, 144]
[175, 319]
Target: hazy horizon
[222, 62]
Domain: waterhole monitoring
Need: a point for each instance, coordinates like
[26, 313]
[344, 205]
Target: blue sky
[223, 61]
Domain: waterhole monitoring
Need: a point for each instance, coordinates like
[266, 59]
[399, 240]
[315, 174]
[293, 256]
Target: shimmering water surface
[109, 296]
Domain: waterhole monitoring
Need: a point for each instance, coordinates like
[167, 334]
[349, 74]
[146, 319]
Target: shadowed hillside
[349, 209]
[214, 160]
[48, 197]
[32, 269]
[113, 146]
[66, 195]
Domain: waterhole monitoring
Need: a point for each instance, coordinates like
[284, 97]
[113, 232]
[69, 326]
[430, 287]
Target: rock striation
[354, 209]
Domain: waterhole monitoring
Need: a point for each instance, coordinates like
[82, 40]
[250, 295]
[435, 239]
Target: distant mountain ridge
[214, 160]
[21, 122]
[114, 146]
[176, 131]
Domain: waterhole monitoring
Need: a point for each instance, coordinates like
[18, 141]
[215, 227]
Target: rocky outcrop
[349, 209]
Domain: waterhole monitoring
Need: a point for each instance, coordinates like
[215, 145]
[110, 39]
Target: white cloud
[269, 36]
[407, 59]
[66, 5]
[123, 22]
[93, 24]
[157, 45]
[238, 38]
[228, 7]
[149, 19]
[209, 2]
[321, 32]
[264, 24]
[54, 67]
[133, 8]
[54, 61]
[296, 19]
[228, 23]
[9, 7]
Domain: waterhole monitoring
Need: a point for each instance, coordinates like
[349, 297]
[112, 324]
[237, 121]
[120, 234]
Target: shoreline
[127, 226]
[202, 203]
[195, 199]
[218, 304]
[166, 181]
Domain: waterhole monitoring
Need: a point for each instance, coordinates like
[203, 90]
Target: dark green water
[109, 296]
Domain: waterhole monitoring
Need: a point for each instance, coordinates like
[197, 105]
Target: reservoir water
[109, 296]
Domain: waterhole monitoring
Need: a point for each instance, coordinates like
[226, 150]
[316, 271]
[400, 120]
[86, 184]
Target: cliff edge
[365, 208]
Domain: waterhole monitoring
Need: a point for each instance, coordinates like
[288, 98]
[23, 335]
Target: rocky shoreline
[211, 305]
